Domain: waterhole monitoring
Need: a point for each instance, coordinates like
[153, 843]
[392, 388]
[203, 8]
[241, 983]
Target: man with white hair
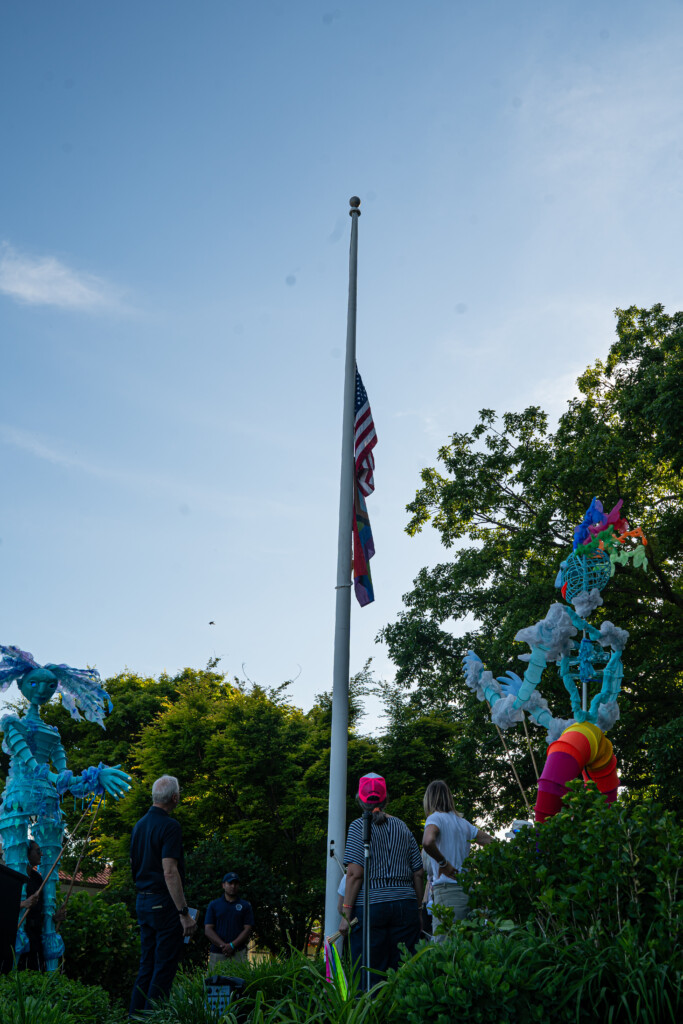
[158, 867]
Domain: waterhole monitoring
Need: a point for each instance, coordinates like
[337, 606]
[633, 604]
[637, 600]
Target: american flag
[364, 441]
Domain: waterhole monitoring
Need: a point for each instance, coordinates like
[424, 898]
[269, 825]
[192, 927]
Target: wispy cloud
[47, 452]
[46, 281]
[607, 127]
[188, 494]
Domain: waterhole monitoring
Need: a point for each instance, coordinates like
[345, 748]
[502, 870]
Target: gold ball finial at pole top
[354, 203]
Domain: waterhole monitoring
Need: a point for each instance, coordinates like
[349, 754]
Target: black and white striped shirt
[394, 857]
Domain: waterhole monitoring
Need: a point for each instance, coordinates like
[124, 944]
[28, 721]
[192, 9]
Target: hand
[115, 781]
[344, 927]
[448, 870]
[29, 901]
[511, 683]
[189, 925]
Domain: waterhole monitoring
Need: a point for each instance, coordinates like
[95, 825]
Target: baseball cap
[372, 789]
[231, 876]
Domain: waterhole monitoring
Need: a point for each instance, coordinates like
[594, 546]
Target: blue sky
[173, 283]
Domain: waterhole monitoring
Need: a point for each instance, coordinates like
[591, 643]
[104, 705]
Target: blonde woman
[447, 837]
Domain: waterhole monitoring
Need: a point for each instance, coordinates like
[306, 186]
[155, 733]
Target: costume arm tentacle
[15, 742]
[532, 676]
[612, 675]
[503, 699]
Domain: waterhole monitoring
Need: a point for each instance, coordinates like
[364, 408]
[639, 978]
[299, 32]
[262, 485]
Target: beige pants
[238, 957]
[448, 894]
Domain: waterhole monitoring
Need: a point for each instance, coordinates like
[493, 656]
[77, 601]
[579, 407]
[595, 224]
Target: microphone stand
[367, 828]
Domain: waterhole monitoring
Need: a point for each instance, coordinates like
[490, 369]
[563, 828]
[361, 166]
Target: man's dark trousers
[161, 936]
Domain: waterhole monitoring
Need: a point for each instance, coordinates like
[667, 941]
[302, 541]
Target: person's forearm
[174, 885]
[433, 851]
[419, 884]
[353, 884]
[213, 936]
[243, 937]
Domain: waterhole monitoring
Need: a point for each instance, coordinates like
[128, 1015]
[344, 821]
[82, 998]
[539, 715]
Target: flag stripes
[365, 439]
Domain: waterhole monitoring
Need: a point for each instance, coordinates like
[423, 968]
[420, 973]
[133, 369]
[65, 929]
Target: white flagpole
[336, 818]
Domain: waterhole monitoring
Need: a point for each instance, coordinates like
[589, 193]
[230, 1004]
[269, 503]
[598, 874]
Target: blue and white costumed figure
[38, 776]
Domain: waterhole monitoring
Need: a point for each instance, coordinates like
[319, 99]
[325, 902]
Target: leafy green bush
[103, 943]
[484, 974]
[28, 997]
[473, 976]
[581, 914]
[588, 872]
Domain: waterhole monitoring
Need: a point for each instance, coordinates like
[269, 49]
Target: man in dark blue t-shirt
[229, 923]
[158, 868]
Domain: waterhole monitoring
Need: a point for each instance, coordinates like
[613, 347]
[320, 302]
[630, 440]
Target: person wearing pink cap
[395, 882]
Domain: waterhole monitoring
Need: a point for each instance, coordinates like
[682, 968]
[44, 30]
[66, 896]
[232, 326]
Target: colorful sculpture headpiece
[576, 744]
[599, 543]
[81, 688]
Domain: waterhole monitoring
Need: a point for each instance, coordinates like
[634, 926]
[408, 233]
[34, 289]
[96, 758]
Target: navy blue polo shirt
[228, 919]
[155, 836]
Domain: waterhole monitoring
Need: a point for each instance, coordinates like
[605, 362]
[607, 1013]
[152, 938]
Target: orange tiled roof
[101, 878]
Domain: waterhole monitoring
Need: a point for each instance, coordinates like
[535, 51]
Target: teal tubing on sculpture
[532, 676]
[570, 686]
[612, 675]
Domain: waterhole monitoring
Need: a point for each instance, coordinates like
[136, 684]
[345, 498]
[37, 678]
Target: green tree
[664, 749]
[506, 500]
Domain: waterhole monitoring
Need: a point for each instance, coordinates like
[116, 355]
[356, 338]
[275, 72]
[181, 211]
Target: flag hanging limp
[364, 441]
